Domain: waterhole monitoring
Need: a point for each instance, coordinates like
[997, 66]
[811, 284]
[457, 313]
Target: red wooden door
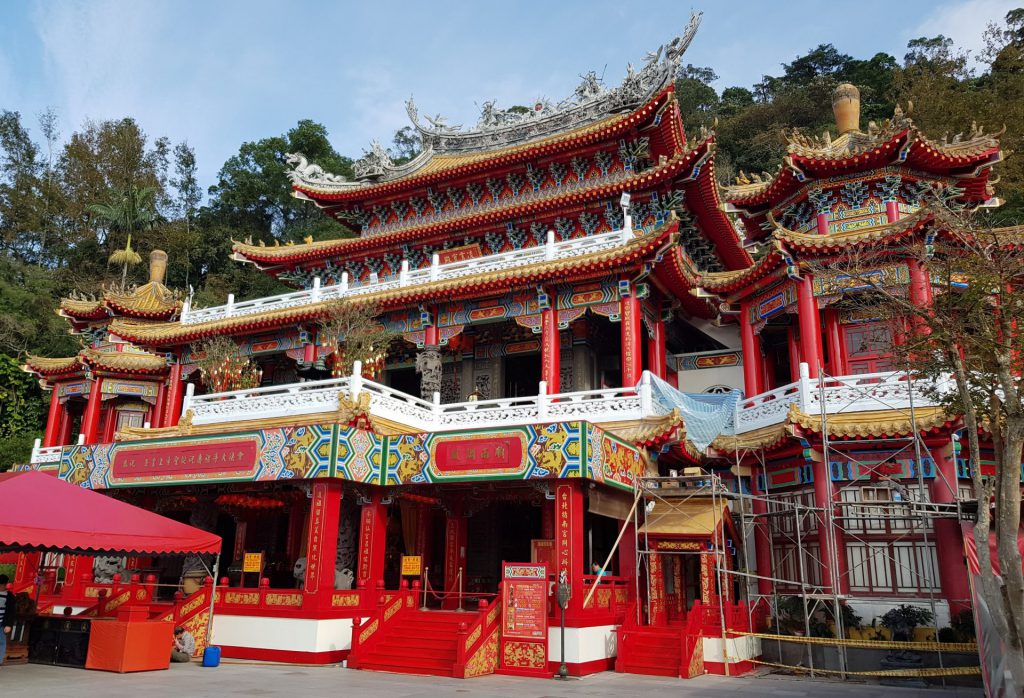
[869, 348]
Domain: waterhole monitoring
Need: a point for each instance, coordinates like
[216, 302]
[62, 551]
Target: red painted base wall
[284, 656]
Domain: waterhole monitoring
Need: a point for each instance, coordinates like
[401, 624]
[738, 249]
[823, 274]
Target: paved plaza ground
[193, 681]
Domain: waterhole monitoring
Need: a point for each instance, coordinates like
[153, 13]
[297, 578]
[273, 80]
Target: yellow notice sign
[412, 565]
[252, 562]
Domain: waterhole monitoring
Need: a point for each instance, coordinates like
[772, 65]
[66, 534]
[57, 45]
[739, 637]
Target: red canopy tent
[39, 512]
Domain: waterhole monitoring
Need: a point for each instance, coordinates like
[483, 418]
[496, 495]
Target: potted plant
[902, 620]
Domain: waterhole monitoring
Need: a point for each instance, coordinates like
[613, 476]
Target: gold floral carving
[392, 609]
[370, 630]
[193, 603]
[240, 597]
[474, 636]
[284, 599]
[345, 599]
[526, 655]
[485, 659]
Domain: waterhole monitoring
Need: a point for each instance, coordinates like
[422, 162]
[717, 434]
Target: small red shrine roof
[150, 301]
[131, 361]
[898, 142]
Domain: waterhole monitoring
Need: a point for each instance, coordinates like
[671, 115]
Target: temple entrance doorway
[501, 531]
[522, 375]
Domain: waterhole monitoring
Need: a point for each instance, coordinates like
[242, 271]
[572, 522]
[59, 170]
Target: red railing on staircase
[476, 653]
[368, 633]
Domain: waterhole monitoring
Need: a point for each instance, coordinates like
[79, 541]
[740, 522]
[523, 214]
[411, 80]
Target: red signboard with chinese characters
[524, 611]
[459, 254]
[543, 550]
[484, 454]
[524, 619]
[235, 456]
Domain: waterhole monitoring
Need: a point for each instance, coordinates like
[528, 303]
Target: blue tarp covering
[706, 415]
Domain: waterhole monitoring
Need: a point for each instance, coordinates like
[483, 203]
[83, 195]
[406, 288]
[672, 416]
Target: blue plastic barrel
[211, 656]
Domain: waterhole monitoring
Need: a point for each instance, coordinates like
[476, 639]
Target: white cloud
[964, 22]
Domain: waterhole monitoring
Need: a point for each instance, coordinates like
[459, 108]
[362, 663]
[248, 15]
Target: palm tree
[128, 211]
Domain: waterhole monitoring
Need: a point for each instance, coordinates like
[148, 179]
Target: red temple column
[53, 419]
[762, 537]
[632, 359]
[810, 325]
[948, 537]
[658, 609]
[892, 211]
[175, 395]
[424, 534]
[751, 346]
[430, 336]
[823, 223]
[109, 421]
[920, 286]
[824, 498]
[708, 578]
[455, 540]
[64, 434]
[656, 359]
[373, 529]
[793, 345]
[74, 565]
[551, 349]
[547, 521]
[569, 541]
[322, 541]
[834, 340]
[93, 410]
[25, 570]
[157, 413]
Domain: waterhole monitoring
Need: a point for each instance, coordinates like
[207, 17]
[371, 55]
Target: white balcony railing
[607, 405]
[551, 250]
[45, 456]
[891, 390]
[859, 393]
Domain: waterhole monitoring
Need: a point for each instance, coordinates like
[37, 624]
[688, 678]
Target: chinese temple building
[577, 311]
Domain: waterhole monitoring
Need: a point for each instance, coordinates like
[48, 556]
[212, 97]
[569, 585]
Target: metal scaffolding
[807, 529]
[846, 519]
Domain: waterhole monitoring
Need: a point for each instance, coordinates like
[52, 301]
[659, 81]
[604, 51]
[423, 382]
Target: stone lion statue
[343, 578]
[104, 567]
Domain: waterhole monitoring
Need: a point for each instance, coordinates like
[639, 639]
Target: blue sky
[219, 73]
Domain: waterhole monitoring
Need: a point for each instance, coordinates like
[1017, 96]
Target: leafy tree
[698, 101]
[406, 145]
[971, 333]
[128, 212]
[253, 194]
[21, 412]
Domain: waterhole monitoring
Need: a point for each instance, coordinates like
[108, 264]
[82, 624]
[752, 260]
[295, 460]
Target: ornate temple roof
[429, 167]
[641, 248]
[292, 254]
[592, 108]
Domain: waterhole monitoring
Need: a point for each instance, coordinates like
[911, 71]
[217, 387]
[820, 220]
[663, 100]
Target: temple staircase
[405, 639]
[676, 649]
[420, 642]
